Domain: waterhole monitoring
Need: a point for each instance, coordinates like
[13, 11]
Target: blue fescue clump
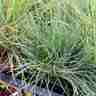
[53, 39]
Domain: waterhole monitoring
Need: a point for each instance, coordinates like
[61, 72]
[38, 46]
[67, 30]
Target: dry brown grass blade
[8, 28]
[3, 56]
[7, 6]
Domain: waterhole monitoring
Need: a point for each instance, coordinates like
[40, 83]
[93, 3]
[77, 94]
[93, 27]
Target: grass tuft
[51, 39]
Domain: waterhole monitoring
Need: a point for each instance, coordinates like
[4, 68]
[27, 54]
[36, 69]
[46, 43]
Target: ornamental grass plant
[51, 39]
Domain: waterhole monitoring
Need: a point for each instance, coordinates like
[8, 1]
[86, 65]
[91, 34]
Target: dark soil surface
[36, 90]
